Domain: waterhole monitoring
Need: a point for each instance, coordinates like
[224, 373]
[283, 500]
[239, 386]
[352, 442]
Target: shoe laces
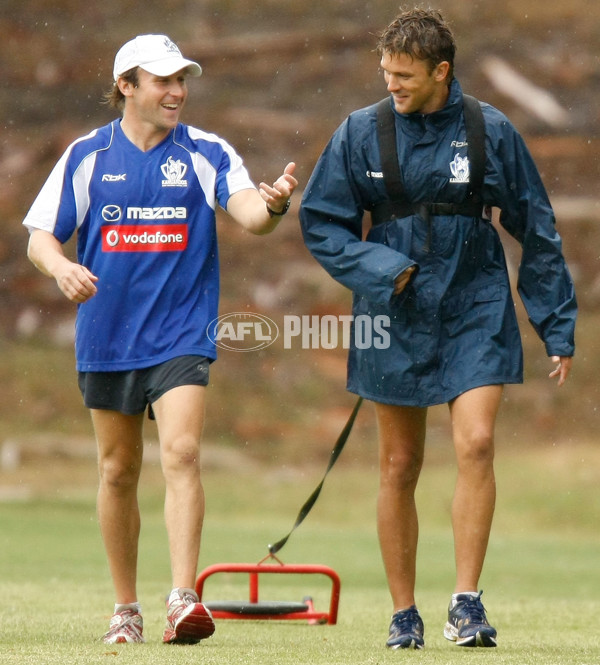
[407, 621]
[124, 618]
[188, 598]
[472, 607]
[127, 622]
[178, 605]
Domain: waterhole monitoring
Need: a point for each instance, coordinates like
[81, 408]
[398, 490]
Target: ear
[440, 72]
[126, 87]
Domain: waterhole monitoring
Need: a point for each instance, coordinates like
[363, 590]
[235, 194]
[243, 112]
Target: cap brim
[171, 66]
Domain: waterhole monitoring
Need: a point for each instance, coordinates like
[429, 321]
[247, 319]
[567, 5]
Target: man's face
[414, 88]
[157, 101]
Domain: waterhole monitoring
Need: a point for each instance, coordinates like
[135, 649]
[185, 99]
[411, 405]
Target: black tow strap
[335, 453]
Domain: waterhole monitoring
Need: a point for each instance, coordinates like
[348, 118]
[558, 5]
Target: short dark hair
[114, 97]
[422, 34]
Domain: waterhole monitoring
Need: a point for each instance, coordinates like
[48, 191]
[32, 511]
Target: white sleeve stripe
[81, 181]
[43, 212]
[206, 174]
[237, 177]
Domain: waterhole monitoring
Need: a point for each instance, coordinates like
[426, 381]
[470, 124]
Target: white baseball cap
[156, 54]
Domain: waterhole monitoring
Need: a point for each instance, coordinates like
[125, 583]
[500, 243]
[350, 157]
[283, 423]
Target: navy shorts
[130, 391]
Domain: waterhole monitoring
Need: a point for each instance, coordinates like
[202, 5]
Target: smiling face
[153, 107]
[415, 87]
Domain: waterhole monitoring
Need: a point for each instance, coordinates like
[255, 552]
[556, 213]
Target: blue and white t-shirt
[145, 224]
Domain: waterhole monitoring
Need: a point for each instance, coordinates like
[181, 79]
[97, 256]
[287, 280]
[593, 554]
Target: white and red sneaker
[125, 627]
[188, 620]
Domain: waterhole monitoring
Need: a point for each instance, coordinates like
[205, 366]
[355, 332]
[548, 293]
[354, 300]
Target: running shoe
[125, 627]
[188, 620]
[467, 624]
[406, 630]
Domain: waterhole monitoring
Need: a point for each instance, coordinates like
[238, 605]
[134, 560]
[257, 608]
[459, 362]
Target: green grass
[541, 579]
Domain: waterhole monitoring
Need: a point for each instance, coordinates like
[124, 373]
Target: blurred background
[279, 76]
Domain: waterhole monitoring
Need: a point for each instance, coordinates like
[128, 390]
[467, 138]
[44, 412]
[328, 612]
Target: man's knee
[182, 454]
[119, 474]
[400, 469]
[476, 448]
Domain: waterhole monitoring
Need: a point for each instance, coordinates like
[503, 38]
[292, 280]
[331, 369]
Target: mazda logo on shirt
[112, 213]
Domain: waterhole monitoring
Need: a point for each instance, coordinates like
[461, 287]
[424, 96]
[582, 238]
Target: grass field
[541, 582]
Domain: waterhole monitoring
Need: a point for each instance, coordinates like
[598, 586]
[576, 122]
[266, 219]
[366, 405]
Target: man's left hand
[563, 367]
[277, 196]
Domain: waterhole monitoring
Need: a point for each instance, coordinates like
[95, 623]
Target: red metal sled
[255, 609]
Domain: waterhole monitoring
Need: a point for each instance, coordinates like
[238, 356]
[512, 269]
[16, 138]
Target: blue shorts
[130, 391]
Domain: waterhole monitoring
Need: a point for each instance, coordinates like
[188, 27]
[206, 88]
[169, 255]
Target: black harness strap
[386, 136]
[475, 129]
[398, 206]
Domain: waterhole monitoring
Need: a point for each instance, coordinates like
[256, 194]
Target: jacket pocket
[480, 309]
[395, 310]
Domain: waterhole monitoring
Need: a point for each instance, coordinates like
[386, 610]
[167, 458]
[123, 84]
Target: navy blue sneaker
[467, 624]
[406, 630]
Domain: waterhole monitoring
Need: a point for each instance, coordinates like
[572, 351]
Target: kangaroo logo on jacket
[460, 169]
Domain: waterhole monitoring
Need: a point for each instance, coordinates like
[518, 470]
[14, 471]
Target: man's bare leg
[120, 451]
[473, 420]
[180, 419]
[401, 449]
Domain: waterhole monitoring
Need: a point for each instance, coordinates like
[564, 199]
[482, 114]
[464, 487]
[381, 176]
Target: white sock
[473, 594]
[136, 607]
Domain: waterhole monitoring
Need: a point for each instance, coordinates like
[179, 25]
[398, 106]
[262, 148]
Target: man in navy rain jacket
[440, 276]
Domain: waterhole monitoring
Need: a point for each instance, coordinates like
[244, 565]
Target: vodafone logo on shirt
[144, 238]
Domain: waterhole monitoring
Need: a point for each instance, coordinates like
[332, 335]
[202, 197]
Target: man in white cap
[141, 193]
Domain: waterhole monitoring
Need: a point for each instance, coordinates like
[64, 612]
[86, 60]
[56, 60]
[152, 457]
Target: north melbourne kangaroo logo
[460, 169]
[171, 46]
[173, 171]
